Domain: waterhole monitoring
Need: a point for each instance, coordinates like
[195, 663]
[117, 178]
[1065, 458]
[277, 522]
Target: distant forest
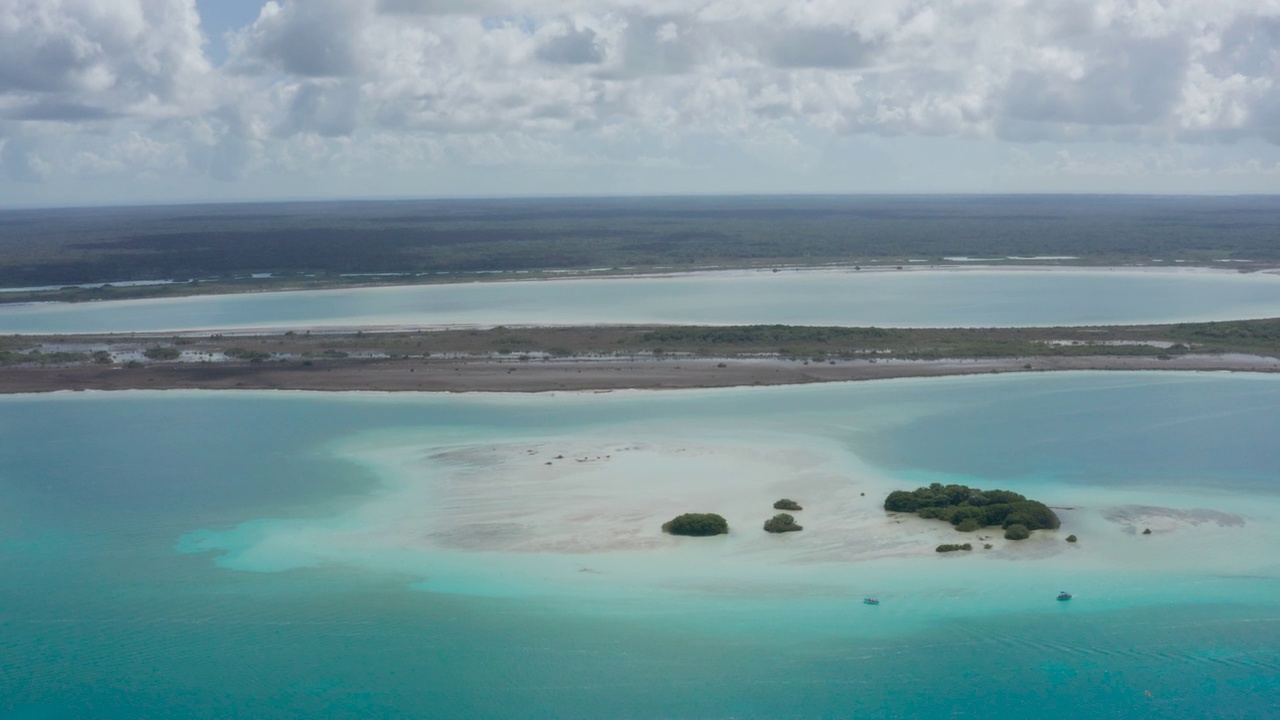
[329, 239]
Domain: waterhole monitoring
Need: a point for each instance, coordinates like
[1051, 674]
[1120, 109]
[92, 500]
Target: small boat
[871, 600]
[1064, 595]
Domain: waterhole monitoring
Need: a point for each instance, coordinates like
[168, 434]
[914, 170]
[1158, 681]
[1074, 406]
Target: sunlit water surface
[915, 298]
[215, 555]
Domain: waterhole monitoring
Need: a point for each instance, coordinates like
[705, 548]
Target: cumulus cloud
[327, 109]
[85, 59]
[825, 48]
[21, 161]
[316, 38]
[440, 7]
[613, 81]
[54, 109]
[574, 47]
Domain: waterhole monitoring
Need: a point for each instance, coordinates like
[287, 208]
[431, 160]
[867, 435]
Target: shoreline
[571, 374]
[133, 290]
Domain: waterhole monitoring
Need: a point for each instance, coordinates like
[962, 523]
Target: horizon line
[635, 196]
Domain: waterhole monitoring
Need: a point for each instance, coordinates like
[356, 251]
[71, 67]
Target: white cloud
[322, 86]
[571, 46]
[21, 161]
[80, 60]
[315, 38]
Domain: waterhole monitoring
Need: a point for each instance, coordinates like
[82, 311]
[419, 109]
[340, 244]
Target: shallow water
[916, 298]
[192, 554]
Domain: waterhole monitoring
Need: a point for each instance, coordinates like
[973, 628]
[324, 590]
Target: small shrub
[901, 501]
[953, 548]
[162, 353]
[986, 546]
[243, 354]
[1071, 538]
[969, 525]
[780, 523]
[1016, 532]
[786, 504]
[696, 525]
[1147, 531]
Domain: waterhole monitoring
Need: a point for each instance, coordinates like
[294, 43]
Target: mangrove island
[970, 509]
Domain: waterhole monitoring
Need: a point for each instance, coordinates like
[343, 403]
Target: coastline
[570, 374]
[143, 290]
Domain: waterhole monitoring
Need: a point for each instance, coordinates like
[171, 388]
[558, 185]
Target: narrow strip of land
[606, 358]
[487, 375]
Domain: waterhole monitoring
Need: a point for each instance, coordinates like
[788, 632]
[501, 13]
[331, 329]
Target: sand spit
[487, 375]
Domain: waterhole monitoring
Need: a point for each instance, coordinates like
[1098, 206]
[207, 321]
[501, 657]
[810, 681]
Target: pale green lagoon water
[914, 298]
[215, 555]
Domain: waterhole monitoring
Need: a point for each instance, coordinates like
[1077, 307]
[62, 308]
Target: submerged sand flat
[581, 512]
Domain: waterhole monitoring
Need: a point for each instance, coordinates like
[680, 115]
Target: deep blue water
[102, 617]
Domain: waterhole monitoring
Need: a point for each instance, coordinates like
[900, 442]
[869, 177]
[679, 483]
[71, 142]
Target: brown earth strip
[484, 375]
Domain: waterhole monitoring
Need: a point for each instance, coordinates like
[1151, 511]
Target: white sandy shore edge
[908, 265]
[724, 272]
[987, 265]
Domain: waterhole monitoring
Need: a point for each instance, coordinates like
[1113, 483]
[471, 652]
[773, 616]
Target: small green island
[782, 522]
[787, 504]
[970, 509]
[697, 525]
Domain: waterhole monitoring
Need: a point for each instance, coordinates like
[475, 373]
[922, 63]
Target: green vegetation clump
[780, 523]
[970, 509]
[243, 354]
[697, 525]
[1071, 538]
[302, 245]
[162, 353]
[786, 504]
[1017, 531]
[953, 548]
[36, 357]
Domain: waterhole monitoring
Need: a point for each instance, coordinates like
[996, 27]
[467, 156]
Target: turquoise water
[110, 610]
[918, 298]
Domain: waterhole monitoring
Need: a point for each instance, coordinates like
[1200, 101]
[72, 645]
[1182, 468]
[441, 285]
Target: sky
[158, 101]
